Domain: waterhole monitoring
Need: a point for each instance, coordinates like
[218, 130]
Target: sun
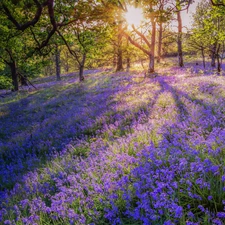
[134, 16]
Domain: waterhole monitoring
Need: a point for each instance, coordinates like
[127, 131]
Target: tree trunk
[203, 58]
[151, 67]
[14, 75]
[213, 55]
[57, 63]
[23, 80]
[222, 56]
[81, 73]
[114, 60]
[119, 64]
[81, 68]
[128, 64]
[218, 58]
[160, 42]
[213, 60]
[119, 49]
[66, 66]
[221, 62]
[179, 40]
[218, 64]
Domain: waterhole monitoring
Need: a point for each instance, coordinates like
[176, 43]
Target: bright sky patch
[134, 16]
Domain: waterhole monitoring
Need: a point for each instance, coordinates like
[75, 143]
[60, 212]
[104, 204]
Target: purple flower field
[116, 149]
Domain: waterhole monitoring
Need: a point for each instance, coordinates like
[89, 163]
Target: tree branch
[142, 36]
[32, 22]
[123, 7]
[72, 52]
[136, 44]
[10, 55]
[6, 62]
[33, 34]
[53, 22]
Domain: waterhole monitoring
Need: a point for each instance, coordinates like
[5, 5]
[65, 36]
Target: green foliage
[214, 23]
[208, 29]
[5, 82]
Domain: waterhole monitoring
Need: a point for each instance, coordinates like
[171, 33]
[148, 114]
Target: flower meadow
[116, 149]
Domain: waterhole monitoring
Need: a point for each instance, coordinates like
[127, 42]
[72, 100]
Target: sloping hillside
[118, 148]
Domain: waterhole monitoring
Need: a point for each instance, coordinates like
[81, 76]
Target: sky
[134, 16]
[186, 16]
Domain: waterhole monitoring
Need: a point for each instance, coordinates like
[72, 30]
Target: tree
[179, 40]
[115, 9]
[214, 24]
[176, 6]
[180, 5]
[119, 64]
[199, 39]
[57, 62]
[27, 26]
[14, 47]
[82, 42]
[163, 17]
[199, 42]
[150, 50]
[46, 17]
[40, 21]
[154, 12]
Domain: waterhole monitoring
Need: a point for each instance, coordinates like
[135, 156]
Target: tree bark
[23, 80]
[114, 60]
[151, 70]
[57, 63]
[203, 57]
[151, 67]
[218, 64]
[66, 67]
[119, 60]
[179, 40]
[160, 42]
[218, 59]
[119, 66]
[14, 76]
[128, 64]
[81, 68]
[213, 55]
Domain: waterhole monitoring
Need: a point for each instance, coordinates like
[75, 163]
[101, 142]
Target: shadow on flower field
[114, 150]
[37, 125]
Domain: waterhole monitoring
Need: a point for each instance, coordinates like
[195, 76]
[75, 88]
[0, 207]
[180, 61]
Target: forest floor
[118, 148]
